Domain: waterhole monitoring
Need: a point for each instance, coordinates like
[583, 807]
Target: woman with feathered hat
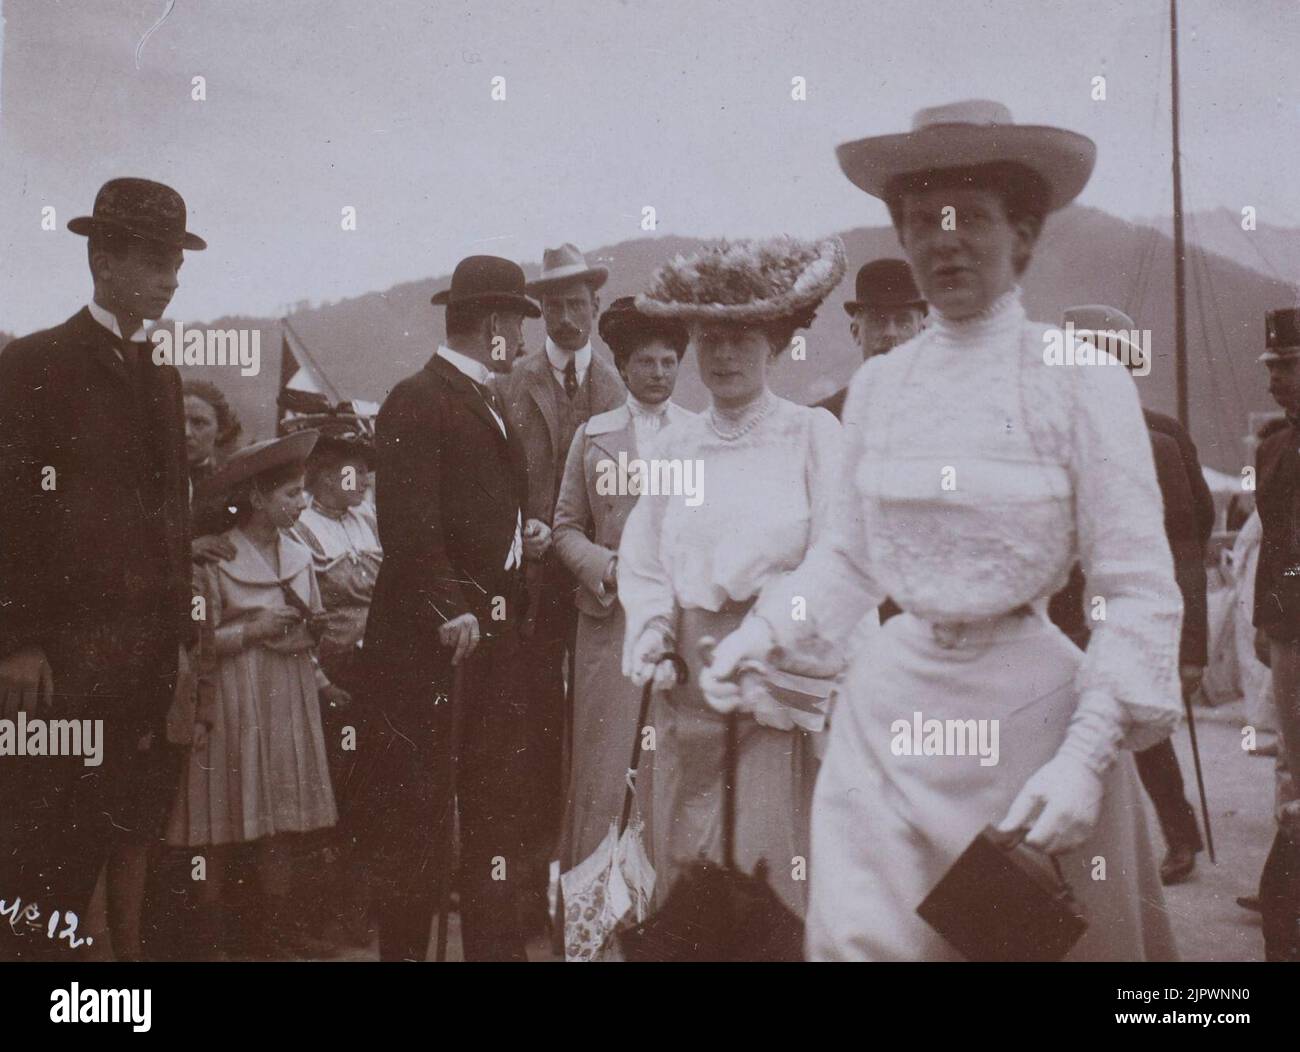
[691, 565]
[974, 475]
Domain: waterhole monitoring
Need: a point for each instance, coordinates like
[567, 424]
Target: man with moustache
[94, 570]
[548, 397]
[451, 495]
[889, 310]
[1277, 620]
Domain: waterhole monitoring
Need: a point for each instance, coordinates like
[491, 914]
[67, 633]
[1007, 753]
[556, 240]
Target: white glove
[647, 663]
[724, 681]
[1060, 802]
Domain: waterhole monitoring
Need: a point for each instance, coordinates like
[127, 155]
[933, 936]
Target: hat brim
[593, 276]
[87, 225]
[244, 465]
[851, 307]
[503, 300]
[1064, 159]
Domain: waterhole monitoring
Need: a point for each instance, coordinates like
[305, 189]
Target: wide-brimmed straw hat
[965, 134]
[745, 281]
[252, 460]
[562, 266]
[1107, 327]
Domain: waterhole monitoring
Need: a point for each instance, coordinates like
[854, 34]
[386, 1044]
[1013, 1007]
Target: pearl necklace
[756, 412]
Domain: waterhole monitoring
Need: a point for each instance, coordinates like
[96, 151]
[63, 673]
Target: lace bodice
[975, 475]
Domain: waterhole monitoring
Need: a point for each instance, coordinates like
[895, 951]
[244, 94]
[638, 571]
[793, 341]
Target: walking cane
[1200, 780]
[452, 756]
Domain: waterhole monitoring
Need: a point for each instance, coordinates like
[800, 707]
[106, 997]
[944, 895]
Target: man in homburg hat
[1277, 618]
[548, 396]
[889, 310]
[451, 496]
[94, 569]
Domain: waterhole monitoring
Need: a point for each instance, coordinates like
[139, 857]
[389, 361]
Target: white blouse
[763, 498]
[974, 475]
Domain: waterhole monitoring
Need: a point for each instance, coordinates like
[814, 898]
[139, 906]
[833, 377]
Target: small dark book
[1004, 901]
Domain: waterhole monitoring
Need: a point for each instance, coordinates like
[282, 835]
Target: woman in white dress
[757, 474]
[974, 474]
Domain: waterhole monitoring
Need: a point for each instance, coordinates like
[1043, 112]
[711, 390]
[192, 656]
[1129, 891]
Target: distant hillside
[369, 342]
[1270, 248]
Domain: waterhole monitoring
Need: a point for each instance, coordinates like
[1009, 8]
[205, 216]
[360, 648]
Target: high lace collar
[645, 410]
[1004, 314]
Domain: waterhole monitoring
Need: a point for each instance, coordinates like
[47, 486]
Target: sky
[386, 106]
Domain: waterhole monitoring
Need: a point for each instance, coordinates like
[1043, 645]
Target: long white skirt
[886, 827]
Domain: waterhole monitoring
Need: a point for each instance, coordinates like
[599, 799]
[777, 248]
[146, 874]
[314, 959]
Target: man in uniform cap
[1277, 619]
[889, 310]
[94, 570]
[548, 396]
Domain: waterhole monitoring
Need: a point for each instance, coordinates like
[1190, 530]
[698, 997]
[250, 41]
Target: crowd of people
[420, 649]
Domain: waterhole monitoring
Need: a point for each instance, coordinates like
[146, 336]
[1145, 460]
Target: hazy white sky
[385, 105]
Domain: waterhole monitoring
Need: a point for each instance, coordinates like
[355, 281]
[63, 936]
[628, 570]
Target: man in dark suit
[94, 569]
[1277, 619]
[889, 310]
[548, 396]
[1189, 521]
[451, 493]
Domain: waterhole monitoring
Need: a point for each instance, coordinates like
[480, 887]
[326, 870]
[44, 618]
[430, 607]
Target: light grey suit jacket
[589, 524]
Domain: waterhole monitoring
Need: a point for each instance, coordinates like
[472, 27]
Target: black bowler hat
[624, 329]
[884, 284]
[1281, 334]
[141, 208]
[487, 281]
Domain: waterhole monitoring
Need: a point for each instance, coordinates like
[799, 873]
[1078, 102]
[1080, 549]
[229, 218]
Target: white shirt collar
[559, 357]
[109, 321]
[476, 371]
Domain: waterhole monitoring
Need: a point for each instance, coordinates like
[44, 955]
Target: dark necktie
[571, 377]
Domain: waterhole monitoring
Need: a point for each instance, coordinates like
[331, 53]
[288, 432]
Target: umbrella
[612, 886]
[717, 912]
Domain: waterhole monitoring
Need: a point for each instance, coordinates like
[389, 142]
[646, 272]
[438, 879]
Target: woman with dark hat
[257, 768]
[974, 475]
[589, 518]
[692, 561]
[340, 529]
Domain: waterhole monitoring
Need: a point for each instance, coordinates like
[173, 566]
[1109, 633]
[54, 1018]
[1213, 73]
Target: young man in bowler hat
[451, 499]
[94, 572]
[889, 310]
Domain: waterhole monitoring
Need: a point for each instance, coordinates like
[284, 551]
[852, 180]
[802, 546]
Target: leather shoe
[1179, 862]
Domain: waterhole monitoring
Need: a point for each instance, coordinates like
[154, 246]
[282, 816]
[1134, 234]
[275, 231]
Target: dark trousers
[402, 814]
[544, 661]
[1163, 780]
[59, 817]
[1279, 899]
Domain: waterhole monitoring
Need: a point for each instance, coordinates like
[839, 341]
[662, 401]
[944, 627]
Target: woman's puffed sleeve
[1132, 658]
[644, 586]
[815, 607]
